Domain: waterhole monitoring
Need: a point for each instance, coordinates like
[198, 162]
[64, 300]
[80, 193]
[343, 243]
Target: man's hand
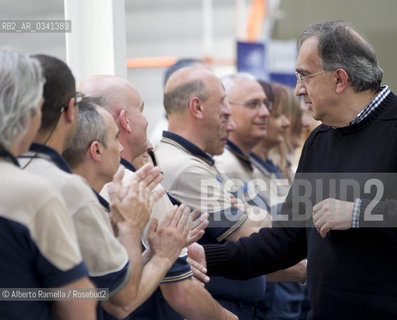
[199, 271]
[196, 259]
[168, 238]
[257, 217]
[198, 227]
[151, 177]
[238, 203]
[130, 206]
[332, 214]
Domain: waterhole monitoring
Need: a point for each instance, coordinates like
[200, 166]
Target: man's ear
[124, 122]
[95, 151]
[342, 80]
[196, 108]
[69, 111]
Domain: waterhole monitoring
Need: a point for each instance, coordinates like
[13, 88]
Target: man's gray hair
[178, 99]
[339, 46]
[21, 88]
[91, 127]
[228, 81]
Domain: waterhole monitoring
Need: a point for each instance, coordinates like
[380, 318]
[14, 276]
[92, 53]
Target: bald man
[199, 126]
[178, 296]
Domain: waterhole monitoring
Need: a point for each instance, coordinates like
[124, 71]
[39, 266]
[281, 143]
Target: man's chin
[218, 151]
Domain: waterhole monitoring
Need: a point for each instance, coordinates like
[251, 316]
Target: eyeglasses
[300, 78]
[254, 104]
[78, 98]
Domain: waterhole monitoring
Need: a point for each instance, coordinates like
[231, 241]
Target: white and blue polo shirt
[38, 242]
[106, 258]
[191, 177]
[156, 307]
[258, 185]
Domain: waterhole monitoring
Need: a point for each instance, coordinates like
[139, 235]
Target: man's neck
[51, 141]
[128, 156]
[88, 173]
[353, 105]
[15, 150]
[245, 146]
[189, 135]
[261, 151]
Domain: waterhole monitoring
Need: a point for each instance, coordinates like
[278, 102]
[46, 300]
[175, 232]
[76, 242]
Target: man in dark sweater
[351, 273]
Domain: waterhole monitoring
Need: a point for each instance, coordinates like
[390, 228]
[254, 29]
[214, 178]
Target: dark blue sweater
[351, 274]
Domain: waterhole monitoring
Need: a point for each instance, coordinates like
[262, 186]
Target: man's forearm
[152, 274]
[296, 273]
[118, 305]
[192, 301]
[146, 255]
[260, 253]
[76, 309]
